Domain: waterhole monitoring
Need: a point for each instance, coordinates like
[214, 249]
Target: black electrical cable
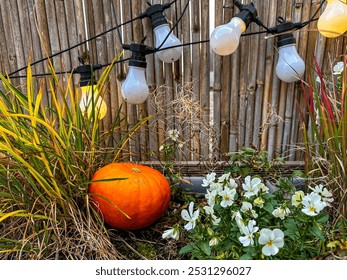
[117, 25]
[118, 61]
[77, 45]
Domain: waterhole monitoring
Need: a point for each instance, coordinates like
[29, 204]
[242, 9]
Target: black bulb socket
[138, 54]
[287, 38]
[87, 73]
[247, 14]
[155, 13]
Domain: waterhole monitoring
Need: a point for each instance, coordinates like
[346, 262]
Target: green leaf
[322, 218]
[314, 230]
[246, 257]
[205, 247]
[269, 207]
[186, 249]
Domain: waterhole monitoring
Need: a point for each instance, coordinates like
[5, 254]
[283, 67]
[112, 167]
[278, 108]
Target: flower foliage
[241, 219]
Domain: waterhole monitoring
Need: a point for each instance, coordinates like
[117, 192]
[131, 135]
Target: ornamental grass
[325, 133]
[47, 157]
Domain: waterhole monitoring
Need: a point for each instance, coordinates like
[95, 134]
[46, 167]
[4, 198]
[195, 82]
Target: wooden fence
[218, 104]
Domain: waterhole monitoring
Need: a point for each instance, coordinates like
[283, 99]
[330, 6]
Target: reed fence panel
[218, 104]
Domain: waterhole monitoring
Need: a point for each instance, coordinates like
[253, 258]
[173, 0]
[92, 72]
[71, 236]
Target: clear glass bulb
[290, 66]
[169, 55]
[333, 21]
[226, 38]
[134, 88]
[91, 97]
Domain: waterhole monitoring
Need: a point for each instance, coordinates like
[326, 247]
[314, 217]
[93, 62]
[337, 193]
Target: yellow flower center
[269, 243]
[226, 198]
[312, 209]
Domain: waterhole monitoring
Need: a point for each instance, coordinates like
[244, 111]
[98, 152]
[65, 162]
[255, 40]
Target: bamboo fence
[218, 104]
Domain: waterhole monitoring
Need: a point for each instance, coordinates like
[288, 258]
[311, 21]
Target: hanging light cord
[117, 27]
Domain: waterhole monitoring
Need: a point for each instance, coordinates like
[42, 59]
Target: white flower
[232, 184]
[248, 231]
[312, 204]
[172, 233]
[239, 220]
[248, 208]
[161, 148]
[224, 177]
[263, 188]
[281, 212]
[297, 198]
[327, 196]
[214, 241]
[251, 186]
[338, 68]
[190, 216]
[211, 197]
[216, 186]
[174, 134]
[272, 239]
[259, 202]
[209, 179]
[227, 197]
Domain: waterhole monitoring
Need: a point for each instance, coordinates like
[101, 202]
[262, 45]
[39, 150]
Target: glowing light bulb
[333, 21]
[92, 101]
[161, 35]
[226, 38]
[135, 89]
[290, 66]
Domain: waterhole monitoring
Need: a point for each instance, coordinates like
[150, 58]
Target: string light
[169, 52]
[333, 21]
[135, 89]
[163, 34]
[91, 100]
[290, 66]
[225, 38]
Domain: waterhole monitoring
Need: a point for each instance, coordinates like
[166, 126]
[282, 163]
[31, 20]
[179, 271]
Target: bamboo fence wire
[218, 104]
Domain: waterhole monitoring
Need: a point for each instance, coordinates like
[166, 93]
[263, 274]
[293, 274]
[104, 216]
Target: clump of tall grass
[325, 133]
[47, 156]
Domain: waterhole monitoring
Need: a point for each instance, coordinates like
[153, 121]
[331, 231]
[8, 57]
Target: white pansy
[211, 197]
[248, 208]
[228, 196]
[210, 211]
[224, 177]
[190, 216]
[172, 233]
[216, 186]
[232, 184]
[272, 239]
[338, 68]
[174, 134]
[263, 188]
[281, 212]
[248, 231]
[251, 186]
[239, 220]
[297, 198]
[209, 179]
[327, 196]
[312, 204]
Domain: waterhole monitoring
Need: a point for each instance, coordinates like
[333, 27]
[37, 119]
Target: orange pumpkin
[133, 203]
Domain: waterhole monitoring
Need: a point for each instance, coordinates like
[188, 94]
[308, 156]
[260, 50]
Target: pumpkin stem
[136, 170]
